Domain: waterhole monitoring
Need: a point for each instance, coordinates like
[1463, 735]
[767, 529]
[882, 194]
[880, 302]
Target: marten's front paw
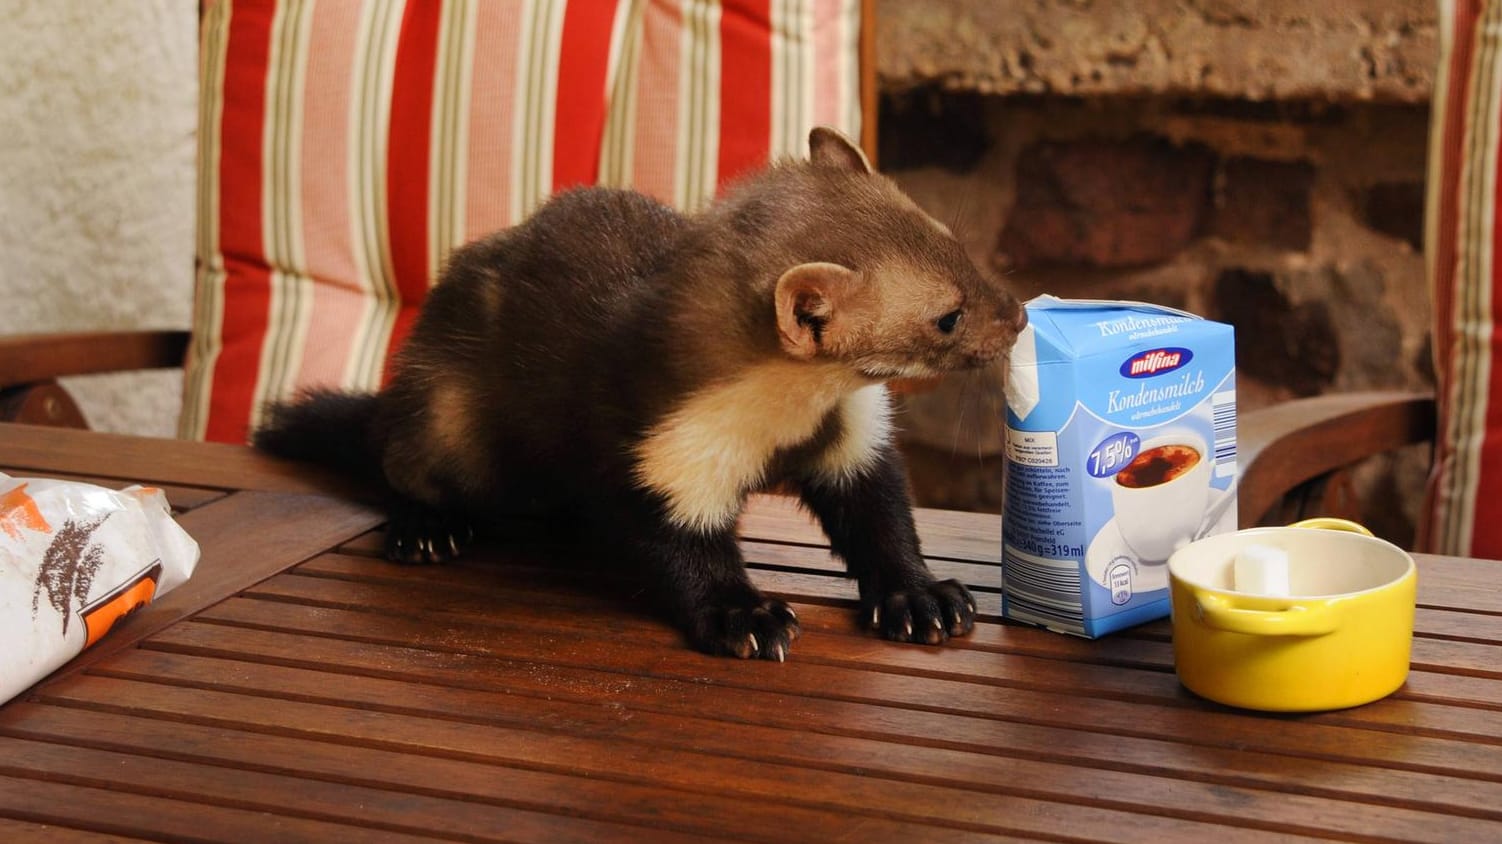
[418, 536]
[763, 629]
[928, 614]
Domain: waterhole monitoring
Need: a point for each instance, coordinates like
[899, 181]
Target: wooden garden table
[300, 688]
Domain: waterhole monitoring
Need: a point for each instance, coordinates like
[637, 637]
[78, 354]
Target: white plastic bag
[74, 559]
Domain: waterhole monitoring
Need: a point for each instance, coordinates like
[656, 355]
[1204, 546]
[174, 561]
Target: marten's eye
[947, 322]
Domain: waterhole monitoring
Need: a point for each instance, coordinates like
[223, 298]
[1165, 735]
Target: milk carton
[1121, 447]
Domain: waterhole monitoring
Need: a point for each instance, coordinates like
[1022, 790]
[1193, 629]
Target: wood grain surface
[301, 688]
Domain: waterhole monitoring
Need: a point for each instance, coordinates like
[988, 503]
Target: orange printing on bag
[19, 510]
[103, 614]
[82, 557]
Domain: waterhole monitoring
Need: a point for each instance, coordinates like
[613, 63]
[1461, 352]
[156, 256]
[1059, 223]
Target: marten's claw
[420, 536]
[765, 630]
[929, 614]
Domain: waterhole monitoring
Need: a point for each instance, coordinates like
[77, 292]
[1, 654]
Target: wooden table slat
[945, 534]
[113, 810]
[38, 833]
[182, 498]
[1453, 624]
[1445, 585]
[131, 459]
[816, 560]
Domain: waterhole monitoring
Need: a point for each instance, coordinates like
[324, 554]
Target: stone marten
[648, 369]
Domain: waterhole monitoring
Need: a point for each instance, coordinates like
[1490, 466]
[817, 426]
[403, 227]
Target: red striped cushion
[1465, 228]
[346, 147]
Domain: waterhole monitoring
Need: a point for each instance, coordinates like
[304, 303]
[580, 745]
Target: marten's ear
[816, 308]
[830, 148]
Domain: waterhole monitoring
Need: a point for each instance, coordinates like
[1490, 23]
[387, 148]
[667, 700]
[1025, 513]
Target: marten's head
[864, 276]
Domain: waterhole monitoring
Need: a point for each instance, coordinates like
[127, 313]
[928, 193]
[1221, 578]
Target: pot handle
[1222, 613]
[1332, 523]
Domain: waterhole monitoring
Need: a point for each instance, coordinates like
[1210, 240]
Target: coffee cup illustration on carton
[1121, 448]
[1160, 496]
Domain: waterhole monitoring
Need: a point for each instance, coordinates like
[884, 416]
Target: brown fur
[650, 369]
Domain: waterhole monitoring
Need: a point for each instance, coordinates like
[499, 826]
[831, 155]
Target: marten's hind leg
[434, 463]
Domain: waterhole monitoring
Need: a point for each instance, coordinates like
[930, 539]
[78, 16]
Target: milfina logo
[1155, 362]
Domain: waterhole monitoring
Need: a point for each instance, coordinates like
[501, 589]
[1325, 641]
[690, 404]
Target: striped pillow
[346, 147]
[1465, 489]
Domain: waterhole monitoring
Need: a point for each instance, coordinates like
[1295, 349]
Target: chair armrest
[1287, 444]
[34, 358]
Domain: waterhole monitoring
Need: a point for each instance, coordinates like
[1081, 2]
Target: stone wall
[1299, 221]
[1272, 50]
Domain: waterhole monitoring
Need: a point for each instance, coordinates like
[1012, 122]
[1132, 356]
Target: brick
[930, 127]
[1264, 203]
[1294, 346]
[1396, 209]
[1106, 203]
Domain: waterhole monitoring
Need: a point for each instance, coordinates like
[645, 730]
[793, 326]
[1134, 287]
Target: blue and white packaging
[1121, 448]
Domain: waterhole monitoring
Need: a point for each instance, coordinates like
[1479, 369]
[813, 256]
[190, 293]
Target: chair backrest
[346, 147]
[1464, 510]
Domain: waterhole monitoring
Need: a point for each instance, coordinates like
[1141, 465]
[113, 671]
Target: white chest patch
[708, 453]
[867, 417]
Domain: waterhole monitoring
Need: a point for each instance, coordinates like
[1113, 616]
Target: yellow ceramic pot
[1342, 639]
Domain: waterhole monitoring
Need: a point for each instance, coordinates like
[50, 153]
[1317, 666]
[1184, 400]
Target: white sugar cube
[1261, 570]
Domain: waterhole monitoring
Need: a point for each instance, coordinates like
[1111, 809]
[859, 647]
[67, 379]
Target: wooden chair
[1297, 457]
[32, 364]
